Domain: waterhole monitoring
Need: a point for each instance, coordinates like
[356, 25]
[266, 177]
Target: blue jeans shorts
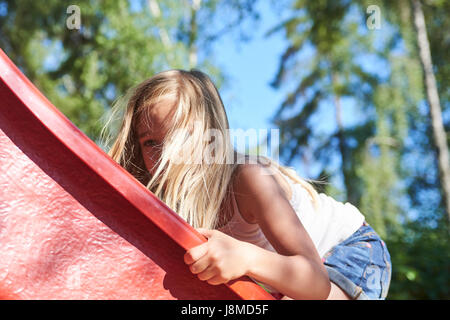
[360, 265]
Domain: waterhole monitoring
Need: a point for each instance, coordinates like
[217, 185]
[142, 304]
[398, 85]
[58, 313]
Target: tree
[439, 134]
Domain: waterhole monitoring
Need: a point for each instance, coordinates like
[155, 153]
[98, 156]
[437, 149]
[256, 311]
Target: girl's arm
[296, 270]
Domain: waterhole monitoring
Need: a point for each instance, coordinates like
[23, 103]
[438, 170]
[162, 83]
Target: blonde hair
[196, 191]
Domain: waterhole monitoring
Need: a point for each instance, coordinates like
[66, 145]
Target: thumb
[205, 232]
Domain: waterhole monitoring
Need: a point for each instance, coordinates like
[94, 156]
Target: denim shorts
[360, 265]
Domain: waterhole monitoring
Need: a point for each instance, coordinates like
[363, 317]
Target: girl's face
[152, 128]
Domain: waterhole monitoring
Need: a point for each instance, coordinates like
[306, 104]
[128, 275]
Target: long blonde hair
[196, 191]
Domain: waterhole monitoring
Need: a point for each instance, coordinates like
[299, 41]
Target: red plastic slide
[76, 225]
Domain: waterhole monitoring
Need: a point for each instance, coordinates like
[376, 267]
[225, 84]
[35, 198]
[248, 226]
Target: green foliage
[111, 52]
[421, 260]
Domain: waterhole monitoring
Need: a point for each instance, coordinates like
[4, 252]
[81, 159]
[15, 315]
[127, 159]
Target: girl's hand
[219, 260]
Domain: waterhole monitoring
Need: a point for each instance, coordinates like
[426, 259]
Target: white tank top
[331, 223]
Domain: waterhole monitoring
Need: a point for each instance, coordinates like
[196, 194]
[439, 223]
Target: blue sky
[249, 99]
[250, 66]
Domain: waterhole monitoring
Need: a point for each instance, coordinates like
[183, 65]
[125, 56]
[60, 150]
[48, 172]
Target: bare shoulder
[255, 184]
[262, 199]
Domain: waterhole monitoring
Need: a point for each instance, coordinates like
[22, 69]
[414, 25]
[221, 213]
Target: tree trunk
[439, 134]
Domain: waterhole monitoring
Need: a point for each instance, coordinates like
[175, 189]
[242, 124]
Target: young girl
[261, 219]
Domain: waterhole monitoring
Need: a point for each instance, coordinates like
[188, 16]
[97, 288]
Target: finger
[209, 273]
[195, 253]
[200, 265]
[216, 280]
[205, 232]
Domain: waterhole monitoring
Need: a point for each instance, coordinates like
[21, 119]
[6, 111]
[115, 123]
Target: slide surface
[74, 224]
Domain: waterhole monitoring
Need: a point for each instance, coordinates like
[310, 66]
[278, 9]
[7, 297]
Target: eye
[150, 143]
